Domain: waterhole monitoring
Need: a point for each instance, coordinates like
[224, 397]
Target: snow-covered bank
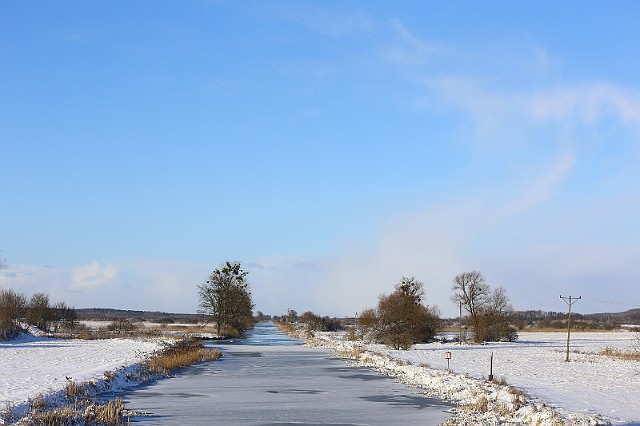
[591, 389]
[31, 367]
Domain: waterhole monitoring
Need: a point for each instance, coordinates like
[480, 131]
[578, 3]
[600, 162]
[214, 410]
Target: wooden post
[491, 367]
[460, 321]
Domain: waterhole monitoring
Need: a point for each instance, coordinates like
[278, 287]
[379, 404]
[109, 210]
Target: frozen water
[268, 379]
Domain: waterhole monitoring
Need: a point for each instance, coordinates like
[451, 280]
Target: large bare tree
[472, 291]
[489, 310]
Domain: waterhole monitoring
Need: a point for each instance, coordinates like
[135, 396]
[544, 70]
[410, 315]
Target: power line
[613, 302]
[542, 305]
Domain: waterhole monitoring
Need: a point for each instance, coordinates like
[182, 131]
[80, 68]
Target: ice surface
[271, 380]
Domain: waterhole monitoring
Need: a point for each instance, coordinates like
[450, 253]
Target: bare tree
[12, 306]
[489, 310]
[499, 303]
[64, 317]
[471, 289]
[39, 313]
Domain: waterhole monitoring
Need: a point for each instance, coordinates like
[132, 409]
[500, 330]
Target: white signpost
[447, 356]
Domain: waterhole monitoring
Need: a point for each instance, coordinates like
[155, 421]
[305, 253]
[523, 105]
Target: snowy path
[282, 384]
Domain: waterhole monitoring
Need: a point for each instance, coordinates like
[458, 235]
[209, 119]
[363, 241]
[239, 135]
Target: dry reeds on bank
[181, 354]
[621, 354]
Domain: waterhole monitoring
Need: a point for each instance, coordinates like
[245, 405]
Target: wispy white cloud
[151, 284]
[408, 50]
[92, 275]
[334, 24]
[588, 103]
[29, 279]
[493, 108]
[541, 189]
[494, 96]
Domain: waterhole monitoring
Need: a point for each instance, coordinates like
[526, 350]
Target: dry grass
[184, 328]
[7, 414]
[501, 381]
[286, 327]
[73, 389]
[182, 354]
[481, 405]
[503, 410]
[290, 329]
[58, 417]
[350, 354]
[563, 330]
[620, 354]
[38, 404]
[109, 413]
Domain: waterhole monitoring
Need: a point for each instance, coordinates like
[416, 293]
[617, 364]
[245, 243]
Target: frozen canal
[268, 379]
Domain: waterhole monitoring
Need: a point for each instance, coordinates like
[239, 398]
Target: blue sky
[332, 147]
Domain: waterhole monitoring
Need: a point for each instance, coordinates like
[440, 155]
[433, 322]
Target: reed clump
[181, 354]
[621, 354]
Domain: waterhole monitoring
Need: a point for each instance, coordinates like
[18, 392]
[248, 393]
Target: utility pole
[570, 300]
[460, 331]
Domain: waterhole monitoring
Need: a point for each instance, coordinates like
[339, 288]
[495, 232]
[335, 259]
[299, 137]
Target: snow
[32, 366]
[589, 388]
[171, 330]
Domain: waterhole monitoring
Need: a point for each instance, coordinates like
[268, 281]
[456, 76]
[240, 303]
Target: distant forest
[631, 316]
[108, 314]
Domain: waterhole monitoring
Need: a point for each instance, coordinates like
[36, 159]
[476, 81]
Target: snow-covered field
[199, 331]
[589, 388]
[536, 364]
[31, 366]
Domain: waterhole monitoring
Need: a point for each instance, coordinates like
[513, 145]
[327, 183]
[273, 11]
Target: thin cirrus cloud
[589, 103]
[540, 189]
[92, 275]
[437, 68]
